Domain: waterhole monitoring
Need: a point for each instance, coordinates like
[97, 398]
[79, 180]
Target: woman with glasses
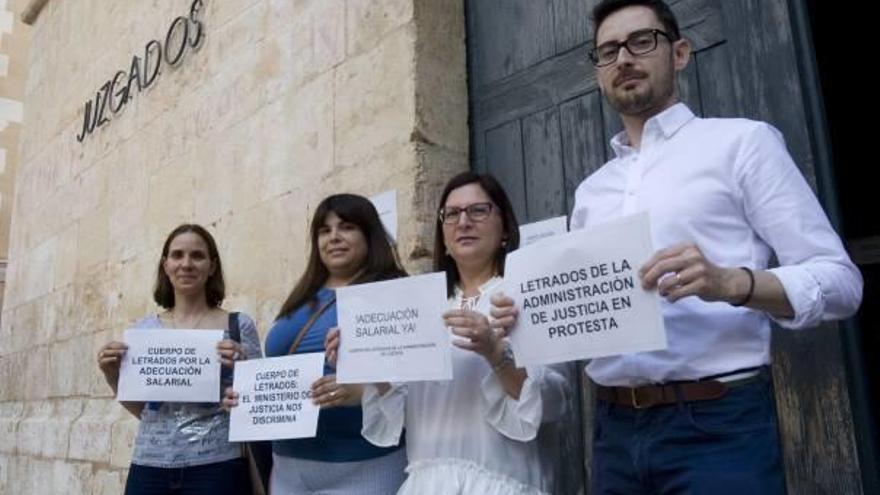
[475, 433]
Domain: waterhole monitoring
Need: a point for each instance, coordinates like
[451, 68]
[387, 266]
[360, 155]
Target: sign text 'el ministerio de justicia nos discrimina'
[185, 32]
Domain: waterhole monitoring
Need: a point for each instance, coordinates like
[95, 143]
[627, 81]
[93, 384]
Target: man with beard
[723, 196]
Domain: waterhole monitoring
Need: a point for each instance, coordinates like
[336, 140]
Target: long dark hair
[444, 262]
[381, 262]
[215, 288]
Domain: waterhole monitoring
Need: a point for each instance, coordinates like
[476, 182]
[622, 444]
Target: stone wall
[14, 36]
[283, 103]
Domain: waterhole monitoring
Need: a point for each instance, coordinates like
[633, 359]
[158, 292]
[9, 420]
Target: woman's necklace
[195, 325]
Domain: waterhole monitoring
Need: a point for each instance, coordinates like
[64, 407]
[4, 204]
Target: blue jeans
[724, 446]
[219, 478]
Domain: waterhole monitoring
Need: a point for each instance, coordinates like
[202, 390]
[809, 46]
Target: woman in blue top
[349, 246]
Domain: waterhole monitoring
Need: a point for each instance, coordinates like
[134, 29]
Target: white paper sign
[386, 205]
[537, 231]
[393, 331]
[170, 366]
[580, 296]
[275, 400]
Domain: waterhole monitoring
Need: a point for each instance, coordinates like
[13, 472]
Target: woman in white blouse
[476, 433]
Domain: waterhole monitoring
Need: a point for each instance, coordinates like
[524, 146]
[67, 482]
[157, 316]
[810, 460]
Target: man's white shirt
[730, 187]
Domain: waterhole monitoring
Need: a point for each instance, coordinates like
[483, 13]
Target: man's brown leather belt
[659, 395]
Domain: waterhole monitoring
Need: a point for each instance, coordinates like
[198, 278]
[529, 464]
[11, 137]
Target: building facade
[241, 115]
[269, 106]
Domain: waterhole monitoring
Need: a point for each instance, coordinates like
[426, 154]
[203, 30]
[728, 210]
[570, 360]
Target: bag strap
[234, 334]
[234, 329]
[311, 321]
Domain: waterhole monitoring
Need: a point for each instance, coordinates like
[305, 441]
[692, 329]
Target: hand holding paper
[110, 359]
[331, 346]
[504, 313]
[327, 393]
[683, 270]
[230, 399]
[475, 333]
[229, 352]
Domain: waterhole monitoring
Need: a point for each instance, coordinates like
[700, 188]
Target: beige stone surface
[368, 21]
[14, 38]
[91, 432]
[4, 473]
[11, 414]
[106, 482]
[285, 102]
